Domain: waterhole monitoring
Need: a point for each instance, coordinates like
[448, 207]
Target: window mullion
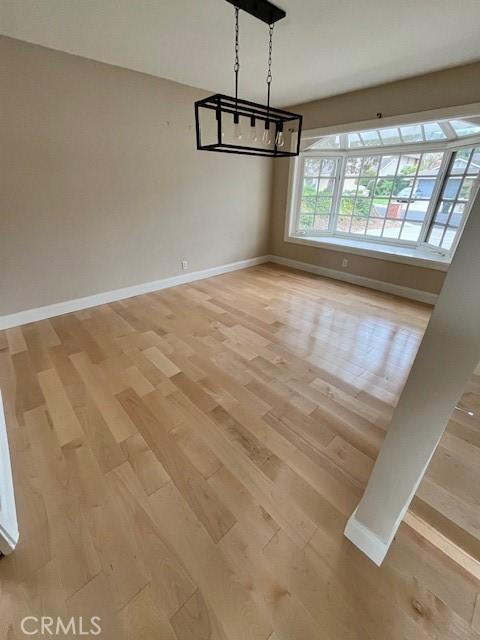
[336, 196]
[299, 193]
[454, 204]
[411, 197]
[448, 130]
[466, 213]
[355, 198]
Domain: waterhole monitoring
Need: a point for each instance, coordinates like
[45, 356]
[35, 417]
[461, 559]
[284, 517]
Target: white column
[448, 355]
[8, 514]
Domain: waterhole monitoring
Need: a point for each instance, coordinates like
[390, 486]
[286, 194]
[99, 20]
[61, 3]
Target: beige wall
[456, 86]
[102, 186]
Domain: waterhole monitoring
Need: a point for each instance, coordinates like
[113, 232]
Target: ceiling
[322, 47]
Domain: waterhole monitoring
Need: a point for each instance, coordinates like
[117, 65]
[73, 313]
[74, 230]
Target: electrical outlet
[184, 265]
[345, 262]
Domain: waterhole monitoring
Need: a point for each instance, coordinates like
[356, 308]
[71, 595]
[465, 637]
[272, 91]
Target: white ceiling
[322, 47]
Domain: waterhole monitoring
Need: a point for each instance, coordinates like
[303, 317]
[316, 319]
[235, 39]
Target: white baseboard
[59, 308]
[379, 285]
[77, 304]
[363, 538]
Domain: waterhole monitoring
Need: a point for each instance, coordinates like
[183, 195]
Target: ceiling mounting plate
[261, 9]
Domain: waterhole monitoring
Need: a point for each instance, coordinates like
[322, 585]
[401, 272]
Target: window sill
[418, 256]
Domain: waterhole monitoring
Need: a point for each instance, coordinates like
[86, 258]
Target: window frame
[468, 205]
[299, 192]
[295, 193]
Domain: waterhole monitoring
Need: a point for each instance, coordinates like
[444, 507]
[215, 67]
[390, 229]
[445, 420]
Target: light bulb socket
[280, 127]
[252, 121]
[236, 118]
[267, 124]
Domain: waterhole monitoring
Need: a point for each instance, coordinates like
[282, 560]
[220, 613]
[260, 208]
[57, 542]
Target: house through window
[408, 185]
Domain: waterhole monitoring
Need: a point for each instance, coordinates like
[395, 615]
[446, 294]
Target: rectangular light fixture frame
[223, 104]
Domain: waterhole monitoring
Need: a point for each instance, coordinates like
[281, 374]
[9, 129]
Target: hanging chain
[269, 67]
[236, 66]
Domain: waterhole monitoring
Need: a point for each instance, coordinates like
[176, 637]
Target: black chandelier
[232, 125]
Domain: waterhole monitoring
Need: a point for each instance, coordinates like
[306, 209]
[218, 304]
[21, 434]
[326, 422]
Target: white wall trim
[68, 306]
[363, 281]
[8, 514]
[364, 538]
[443, 113]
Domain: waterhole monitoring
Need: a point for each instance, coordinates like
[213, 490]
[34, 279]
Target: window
[319, 185]
[409, 185]
[387, 196]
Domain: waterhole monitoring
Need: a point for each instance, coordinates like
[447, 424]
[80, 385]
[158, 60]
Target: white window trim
[422, 255]
[448, 113]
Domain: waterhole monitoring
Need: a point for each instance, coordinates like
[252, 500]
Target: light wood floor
[185, 463]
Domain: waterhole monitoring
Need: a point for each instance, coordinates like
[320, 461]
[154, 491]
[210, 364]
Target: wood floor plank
[142, 618]
[65, 422]
[15, 340]
[137, 381]
[3, 340]
[161, 361]
[118, 421]
[107, 451]
[195, 450]
[197, 621]
[95, 601]
[29, 395]
[255, 518]
[149, 470]
[38, 340]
